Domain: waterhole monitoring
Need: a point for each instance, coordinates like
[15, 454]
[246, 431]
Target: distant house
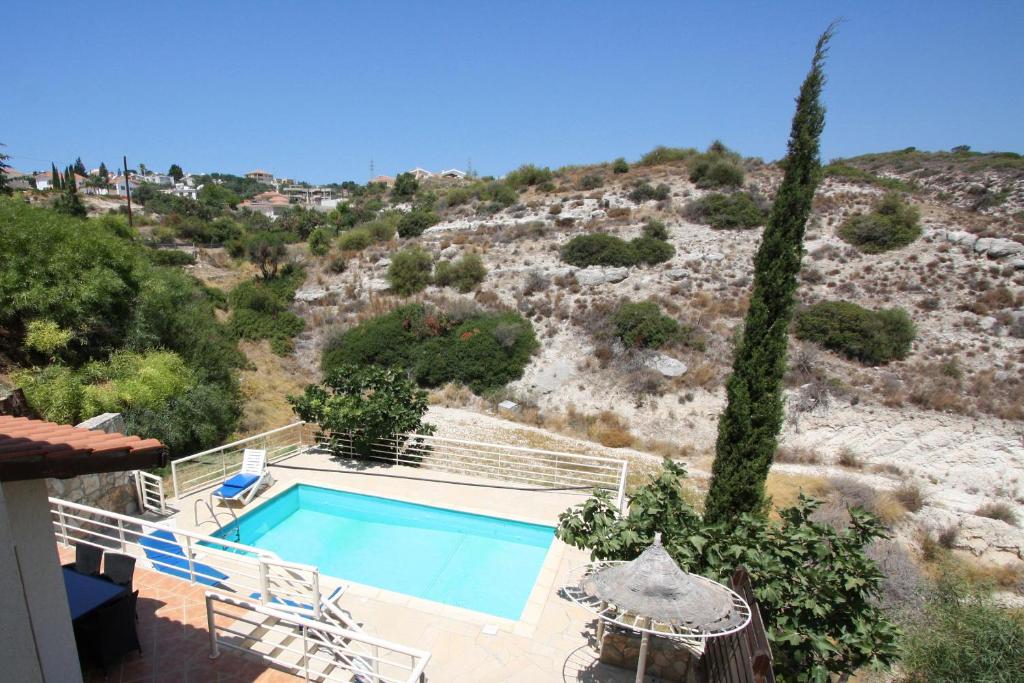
[157, 179]
[420, 173]
[43, 181]
[121, 185]
[271, 204]
[453, 173]
[385, 180]
[16, 180]
[261, 176]
[184, 190]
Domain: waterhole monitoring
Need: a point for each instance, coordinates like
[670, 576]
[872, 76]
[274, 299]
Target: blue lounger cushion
[256, 595]
[168, 557]
[236, 485]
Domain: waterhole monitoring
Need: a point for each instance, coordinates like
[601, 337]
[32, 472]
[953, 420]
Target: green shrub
[891, 224]
[598, 249]
[643, 325]
[319, 242]
[369, 404]
[464, 274]
[650, 250]
[405, 187]
[667, 155]
[46, 337]
[171, 257]
[620, 166]
[457, 196]
[483, 350]
[260, 310]
[590, 181]
[356, 239]
[708, 173]
[528, 175]
[963, 635]
[409, 271]
[838, 169]
[727, 211]
[858, 333]
[655, 229]
[416, 221]
[645, 192]
[498, 194]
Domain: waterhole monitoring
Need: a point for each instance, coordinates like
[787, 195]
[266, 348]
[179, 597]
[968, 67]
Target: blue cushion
[242, 481]
[168, 557]
[256, 595]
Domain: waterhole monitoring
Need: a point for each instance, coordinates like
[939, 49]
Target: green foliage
[217, 197]
[620, 166]
[655, 229]
[69, 203]
[266, 249]
[963, 635]
[319, 242]
[858, 333]
[528, 175]
[260, 310]
[598, 249]
[643, 325]
[46, 337]
[171, 257]
[356, 239]
[300, 222]
[727, 211]
[367, 403]
[483, 351]
[416, 221]
[843, 171]
[645, 192]
[5, 187]
[175, 172]
[817, 590]
[405, 187]
[464, 274]
[591, 181]
[188, 422]
[650, 250]
[409, 271]
[749, 426]
[667, 155]
[718, 166]
[240, 186]
[891, 224]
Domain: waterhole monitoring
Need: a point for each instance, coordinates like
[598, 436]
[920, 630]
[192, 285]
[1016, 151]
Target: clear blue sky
[314, 90]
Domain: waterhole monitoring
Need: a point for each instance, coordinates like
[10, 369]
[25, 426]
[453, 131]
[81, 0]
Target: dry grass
[797, 455]
[910, 496]
[451, 395]
[849, 459]
[784, 489]
[1000, 510]
[265, 385]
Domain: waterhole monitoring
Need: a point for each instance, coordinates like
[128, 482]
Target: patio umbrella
[652, 595]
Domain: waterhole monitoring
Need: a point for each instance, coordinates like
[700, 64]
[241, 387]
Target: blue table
[86, 593]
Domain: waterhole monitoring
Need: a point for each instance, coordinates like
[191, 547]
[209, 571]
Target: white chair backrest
[254, 461]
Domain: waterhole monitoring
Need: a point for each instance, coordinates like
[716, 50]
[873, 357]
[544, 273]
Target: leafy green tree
[217, 197]
[79, 167]
[104, 173]
[373, 406]
[817, 590]
[416, 221]
[749, 427]
[266, 249]
[409, 271]
[175, 172]
[406, 186]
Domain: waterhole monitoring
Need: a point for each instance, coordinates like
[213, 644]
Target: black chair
[108, 634]
[87, 559]
[119, 569]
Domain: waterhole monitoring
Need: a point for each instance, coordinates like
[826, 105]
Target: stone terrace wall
[114, 491]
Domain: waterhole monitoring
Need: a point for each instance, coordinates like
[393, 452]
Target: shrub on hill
[650, 250]
[598, 249]
[464, 274]
[416, 221]
[319, 242]
[409, 271]
[858, 333]
[717, 167]
[355, 239]
[481, 350]
[843, 171]
[655, 229]
[667, 155]
[620, 166]
[727, 211]
[643, 325]
[171, 257]
[891, 224]
[645, 192]
[528, 175]
[591, 181]
[260, 310]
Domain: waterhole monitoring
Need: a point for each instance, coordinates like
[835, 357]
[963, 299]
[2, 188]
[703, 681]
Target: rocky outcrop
[983, 536]
[596, 275]
[666, 365]
[993, 247]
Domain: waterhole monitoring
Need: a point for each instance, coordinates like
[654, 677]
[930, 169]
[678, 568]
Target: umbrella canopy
[653, 587]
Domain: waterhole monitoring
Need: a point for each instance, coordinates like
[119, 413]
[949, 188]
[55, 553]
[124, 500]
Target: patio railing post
[265, 596]
[622, 486]
[305, 652]
[191, 560]
[120, 533]
[174, 478]
[211, 628]
[63, 524]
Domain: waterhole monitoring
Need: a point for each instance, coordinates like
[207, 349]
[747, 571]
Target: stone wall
[114, 491]
[667, 659]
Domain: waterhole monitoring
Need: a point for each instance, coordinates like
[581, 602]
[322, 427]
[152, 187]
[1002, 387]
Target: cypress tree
[80, 167]
[55, 178]
[4, 186]
[749, 427]
[104, 173]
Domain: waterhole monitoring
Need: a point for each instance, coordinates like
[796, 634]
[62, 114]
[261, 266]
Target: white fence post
[212, 628]
[622, 487]
[191, 560]
[265, 596]
[63, 524]
[174, 477]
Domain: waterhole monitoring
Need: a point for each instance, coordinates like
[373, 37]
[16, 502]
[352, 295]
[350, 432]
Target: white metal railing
[150, 489]
[191, 556]
[532, 466]
[213, 466]
[315, 650]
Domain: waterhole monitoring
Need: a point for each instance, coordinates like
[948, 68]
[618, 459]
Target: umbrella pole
[641, 663]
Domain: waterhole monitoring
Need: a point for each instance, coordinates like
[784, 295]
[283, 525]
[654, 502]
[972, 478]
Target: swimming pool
[487, 564]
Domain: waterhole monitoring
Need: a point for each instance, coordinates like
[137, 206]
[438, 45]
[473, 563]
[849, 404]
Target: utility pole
[371, 169]
[127, 189]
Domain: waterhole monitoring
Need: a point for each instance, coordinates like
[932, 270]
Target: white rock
[1000, 248]
[677, 274]
[980, 535]
[988, 323]
[714, 256]
[599, 276]
[961, 237]
[666, 365]
[1017, 264]
[377, 285]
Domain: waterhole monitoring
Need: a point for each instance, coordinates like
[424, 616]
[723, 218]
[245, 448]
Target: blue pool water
[480, 563]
